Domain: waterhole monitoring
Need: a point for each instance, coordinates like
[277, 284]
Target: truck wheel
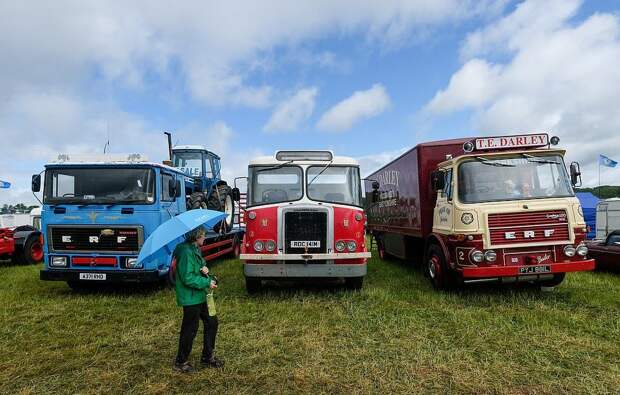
[33, 250]
[197, 200]
[353, 283]
[252, 285]
[236, 249]
[226, 204]
[437, 269]
[381, 250]
[555, 281]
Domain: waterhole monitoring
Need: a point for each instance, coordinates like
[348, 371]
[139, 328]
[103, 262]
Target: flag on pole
[5, 184]
[605, 161]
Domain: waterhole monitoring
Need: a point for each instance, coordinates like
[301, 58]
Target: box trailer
[607, 217]
[483, 209]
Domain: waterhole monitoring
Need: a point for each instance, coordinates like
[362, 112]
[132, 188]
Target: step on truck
[97, 213]
[482, 209]
[304, 219]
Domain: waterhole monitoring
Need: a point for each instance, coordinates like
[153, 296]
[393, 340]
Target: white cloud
[372, 163]
[556, 74]
[361, 105]
[289, 115]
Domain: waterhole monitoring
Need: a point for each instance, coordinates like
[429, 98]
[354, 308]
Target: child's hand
[213, 285]
[204, 270]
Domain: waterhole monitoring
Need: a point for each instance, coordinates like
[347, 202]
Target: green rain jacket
[191, 285]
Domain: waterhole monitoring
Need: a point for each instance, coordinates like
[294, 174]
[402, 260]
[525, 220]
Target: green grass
[396, 335]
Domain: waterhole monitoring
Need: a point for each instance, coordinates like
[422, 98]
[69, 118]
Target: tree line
[18, 208]
[602, 192]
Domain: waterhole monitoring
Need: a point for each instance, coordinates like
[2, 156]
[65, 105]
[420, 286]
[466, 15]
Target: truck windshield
[99, 185]
[486, 179]
[334, 184]
[269, 184]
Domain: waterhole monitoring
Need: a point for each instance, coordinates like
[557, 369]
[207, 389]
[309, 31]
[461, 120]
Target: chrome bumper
[304, 257]
[278, 270]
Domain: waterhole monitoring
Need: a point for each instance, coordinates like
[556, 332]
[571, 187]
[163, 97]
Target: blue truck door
[169, 203]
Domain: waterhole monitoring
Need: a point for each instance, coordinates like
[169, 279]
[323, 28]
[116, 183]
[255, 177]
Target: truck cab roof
[274, 160]
[194, 147]
[94, 164]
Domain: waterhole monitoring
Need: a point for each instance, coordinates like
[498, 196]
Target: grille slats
[521, 225]
[305, 226]
[95, 238]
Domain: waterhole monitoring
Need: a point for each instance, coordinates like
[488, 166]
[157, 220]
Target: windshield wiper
[535, 159]
[275, 167]
[321, 172]
[485, 161]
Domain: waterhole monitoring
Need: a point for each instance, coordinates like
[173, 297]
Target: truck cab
[505, 210]
[97, 212]
[304, 219]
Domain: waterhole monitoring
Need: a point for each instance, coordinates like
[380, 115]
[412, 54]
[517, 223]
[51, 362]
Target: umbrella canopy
[167, 234]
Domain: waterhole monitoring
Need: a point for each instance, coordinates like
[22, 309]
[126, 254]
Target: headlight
[582, 250]
[270, 245]
[490, 256]
[132, 263]
[252, 215]
[358, 216]
[59, 261]
[351, 246]
[340, 246]
[569, 251]
[258, 246]
[476, 256]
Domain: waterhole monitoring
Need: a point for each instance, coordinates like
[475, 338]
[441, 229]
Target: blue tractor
[203, 182]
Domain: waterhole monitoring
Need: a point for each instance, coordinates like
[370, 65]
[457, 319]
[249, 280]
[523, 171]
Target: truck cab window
[334, 184]
[447, 190]
[274, 185]
[190, 163]
[165, 193]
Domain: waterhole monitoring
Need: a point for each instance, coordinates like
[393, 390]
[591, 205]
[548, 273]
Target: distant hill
[604, 192]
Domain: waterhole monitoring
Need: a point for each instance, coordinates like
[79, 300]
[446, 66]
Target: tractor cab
[200, 164]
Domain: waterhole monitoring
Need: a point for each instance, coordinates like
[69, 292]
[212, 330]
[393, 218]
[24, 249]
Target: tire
[381, 250]
[33, 250]
[223, 203]
[554, 282]
[196, 200]
[253, 285]
[353, 283]
[437, 269]
[23, 228]
[236, 249]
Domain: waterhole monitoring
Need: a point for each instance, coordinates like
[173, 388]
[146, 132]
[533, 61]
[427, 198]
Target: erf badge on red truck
[304, 219]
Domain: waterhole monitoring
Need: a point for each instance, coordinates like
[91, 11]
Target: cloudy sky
[364, 78]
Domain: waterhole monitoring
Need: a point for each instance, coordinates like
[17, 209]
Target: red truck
[304, 219]
[480, 210]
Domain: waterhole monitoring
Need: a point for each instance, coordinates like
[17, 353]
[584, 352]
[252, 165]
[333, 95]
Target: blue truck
[97, 213]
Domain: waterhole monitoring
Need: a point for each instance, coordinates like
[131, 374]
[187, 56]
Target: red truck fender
[438, 239]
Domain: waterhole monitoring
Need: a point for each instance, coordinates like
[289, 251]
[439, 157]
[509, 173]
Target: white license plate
[304, 244]
[92, 276]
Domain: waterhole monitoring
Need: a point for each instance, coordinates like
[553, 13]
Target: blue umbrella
[167, 234]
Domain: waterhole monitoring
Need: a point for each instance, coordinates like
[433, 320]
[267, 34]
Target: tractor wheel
[197, 200]
[224, 203]
[33, 249]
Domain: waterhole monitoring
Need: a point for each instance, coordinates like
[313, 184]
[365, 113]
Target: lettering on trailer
[528, 234]
[389, 177]
[530, 140]
[306, 244]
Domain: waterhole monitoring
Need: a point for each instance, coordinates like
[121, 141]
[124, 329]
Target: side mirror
[178, 189]
[36, 183]
[438, 180]
[172, 187]
[374, 197]
[236, 195]
[575, 174]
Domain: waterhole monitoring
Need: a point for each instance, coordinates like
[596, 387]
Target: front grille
[528, 227]
[95, 238]
[305, 226]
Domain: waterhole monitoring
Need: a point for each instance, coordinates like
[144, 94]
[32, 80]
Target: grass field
[396, 335]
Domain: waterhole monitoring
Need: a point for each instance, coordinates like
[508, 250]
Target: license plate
[92, 276]
[535, 269]
[303, 244]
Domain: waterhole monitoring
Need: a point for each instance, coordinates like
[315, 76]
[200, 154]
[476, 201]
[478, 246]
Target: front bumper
[280, 270]
[141, 276]
[305, 257]
[515, 271]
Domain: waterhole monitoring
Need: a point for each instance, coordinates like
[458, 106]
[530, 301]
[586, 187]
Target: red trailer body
[448, 204]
